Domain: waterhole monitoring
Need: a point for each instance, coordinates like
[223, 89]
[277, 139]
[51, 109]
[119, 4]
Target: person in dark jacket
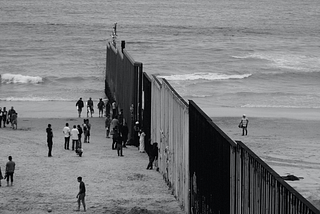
[153, 155]
[49, 139]
[80, 105]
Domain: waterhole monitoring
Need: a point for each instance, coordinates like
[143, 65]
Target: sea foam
[204, 76]
[18, 78]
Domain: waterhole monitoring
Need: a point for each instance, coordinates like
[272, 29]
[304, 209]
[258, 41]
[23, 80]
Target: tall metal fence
[170, 126]
[208, 172]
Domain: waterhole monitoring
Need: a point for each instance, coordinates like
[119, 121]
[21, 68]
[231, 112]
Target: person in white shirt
[66, 132]
[74, 136]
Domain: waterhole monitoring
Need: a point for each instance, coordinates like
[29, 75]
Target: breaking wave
[205, 76]
[18, 78]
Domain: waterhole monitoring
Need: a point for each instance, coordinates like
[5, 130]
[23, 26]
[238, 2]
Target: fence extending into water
[207, 171]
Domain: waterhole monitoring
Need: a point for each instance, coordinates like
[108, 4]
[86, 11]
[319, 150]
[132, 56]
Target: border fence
[208, 172]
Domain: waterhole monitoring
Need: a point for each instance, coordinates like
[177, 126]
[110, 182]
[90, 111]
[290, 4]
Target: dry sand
[114, 184]
[289, 146]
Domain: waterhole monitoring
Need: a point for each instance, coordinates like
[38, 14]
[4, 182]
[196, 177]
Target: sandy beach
[289, 143]
[114, 184]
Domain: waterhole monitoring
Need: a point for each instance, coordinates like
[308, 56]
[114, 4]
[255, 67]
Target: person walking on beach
[100, 107]
[66, 132]
[80, 105]
[49, 139]
[4, 116]
[74, 136]
[82, 194]
[90, 107]
[115, 137]
[244, 125]
[80, 133]
[10, 167]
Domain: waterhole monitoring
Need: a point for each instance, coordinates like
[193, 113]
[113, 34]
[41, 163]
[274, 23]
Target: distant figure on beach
[114, 110]
[244, 125]
[80, 133]
[49, 139]
[11, 112]
[10, 167]
[153, 155]
[119, 144]
[107, 105]
[0, 117]
[1, 177]
[124, 133]
[90, 107]
[66, 132]
[82, 194]
[100, 107]
[86, 130]
[80, 105]
[114, 123]
[107, 125]
[115, 137]
[4, 116]
[141, 141]
[14, 120]
[136, 130]
[74, 136]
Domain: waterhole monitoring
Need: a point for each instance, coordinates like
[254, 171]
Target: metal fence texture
[208, 172]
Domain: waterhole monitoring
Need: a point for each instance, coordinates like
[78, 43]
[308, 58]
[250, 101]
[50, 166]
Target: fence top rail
[147, 76]
[209, 120]
[124, 53]
[278, 177]
[157, 80]
[174, 92]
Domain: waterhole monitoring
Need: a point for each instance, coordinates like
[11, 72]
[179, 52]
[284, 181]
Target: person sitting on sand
[244, 125]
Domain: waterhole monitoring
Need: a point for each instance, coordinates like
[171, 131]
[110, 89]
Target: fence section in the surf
[207, 171]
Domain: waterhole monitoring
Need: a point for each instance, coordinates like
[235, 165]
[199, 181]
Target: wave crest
[205, 76]
[18, 78]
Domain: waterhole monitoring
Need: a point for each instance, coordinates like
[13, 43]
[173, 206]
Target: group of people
[90, 107]
[10, 167]
[7, 117]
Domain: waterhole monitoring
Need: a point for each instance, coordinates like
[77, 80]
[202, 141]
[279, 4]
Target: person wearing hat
[244, 124]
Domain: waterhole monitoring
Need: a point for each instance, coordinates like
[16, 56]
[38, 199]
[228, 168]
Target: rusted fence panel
[170, 127]
[212, 171]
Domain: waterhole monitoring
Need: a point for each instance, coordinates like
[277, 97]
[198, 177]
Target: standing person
[80, 105]
[107, 125]
[49, 139]
[136, 130]
[82, 194]
[4, 116]
[114, 123]
[88, 130]
[115, 137]
[1, 177]
[244, 125]
[114, 110]
[0, 116]
[74, 136]
[90, 107]
[80, 133]
[141, 141]
[10, 167]
[124, 134]
[85, 130]
[10, 113]
[107, 105]
[119, 144]
[100, 107]
[153, 155]
[66, 132]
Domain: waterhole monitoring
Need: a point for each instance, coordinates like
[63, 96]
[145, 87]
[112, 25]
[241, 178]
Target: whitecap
[18, 78]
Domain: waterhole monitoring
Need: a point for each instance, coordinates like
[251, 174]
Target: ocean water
[218, 53]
